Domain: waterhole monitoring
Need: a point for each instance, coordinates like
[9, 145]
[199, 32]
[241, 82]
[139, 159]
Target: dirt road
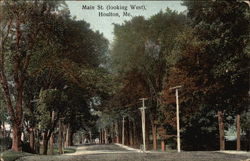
[113, 152]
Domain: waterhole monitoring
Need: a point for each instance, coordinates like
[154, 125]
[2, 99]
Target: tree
[142, 45]
[3, 120]
[21, 27]
[50, 109]
[64, 60]
[212, 64]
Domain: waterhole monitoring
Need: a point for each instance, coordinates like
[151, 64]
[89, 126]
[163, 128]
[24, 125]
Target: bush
[5, 143]
[200, 131]
[26, 147]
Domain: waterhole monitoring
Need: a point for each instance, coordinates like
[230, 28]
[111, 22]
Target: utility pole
[123, 121]
[177, 117]
[142, 109]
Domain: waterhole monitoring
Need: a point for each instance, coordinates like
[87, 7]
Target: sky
[104, 24]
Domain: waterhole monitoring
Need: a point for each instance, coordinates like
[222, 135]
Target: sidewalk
[129, 148]
[137, 150]
[245, 153]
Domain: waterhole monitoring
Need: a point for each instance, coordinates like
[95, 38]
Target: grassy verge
[66, 150]
[10, 155]
[56, 150]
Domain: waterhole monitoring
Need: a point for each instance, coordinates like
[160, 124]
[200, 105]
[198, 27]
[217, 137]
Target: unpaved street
[116, 153]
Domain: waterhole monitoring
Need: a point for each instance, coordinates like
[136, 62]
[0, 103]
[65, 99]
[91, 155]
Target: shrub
[26, 147]
[5, 143]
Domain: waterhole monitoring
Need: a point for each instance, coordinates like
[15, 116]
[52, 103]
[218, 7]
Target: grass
[116, 154]
[11, 155]
[56, 150]
[66, 150]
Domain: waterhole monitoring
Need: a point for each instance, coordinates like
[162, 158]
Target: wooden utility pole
[142, 109]
[177, 117]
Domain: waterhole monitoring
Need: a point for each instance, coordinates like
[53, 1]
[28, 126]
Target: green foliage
[201, 126]
[139, 59]
[50, 101]
[5, 143]
[3, 112]
[64, 70]
[225, 41]
[68, 55]
[210, 61]
[245, 121]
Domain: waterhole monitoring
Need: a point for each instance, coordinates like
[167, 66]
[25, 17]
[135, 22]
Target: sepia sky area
[105, 23]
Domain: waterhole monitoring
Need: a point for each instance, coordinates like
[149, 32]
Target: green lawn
[66, 150]
[10, 155]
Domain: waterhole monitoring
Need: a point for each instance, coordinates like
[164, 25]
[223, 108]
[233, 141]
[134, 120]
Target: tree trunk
[248, 140]
[135, 134]
[238, 131]
[45, 143]
[51, 144]
[131, 142]
[103, 136]
[139, 134]
[82, 138]
[16, 139]
[154, 133]
[37, 142]
[90, 137]
[117, 132]
[127, 132]
[32, 140]
[15, 116]
[221, 130]
[147, 133]
[17, 123]
[71, 134]
[68, 133]
[64, 135]
[113, 133]
[60, 138]
[162, 145]
[120, 132]
[100, 136]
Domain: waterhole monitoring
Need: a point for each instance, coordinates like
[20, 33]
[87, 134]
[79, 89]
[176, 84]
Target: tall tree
[21, 25]
[223, 41]
[141, 45]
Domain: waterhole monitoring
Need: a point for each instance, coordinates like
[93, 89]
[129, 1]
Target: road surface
[111, 152]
